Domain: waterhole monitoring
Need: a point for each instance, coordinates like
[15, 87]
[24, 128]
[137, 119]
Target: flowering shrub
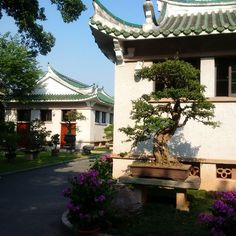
[89, 196]
[104, 166]
[222, 218]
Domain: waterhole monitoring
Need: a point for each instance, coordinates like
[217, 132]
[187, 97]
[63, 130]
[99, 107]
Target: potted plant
[179, 97]
[108, 135]
[71, 116]
[89, 197]
[8, 139]
[55, 141]
[36, 138]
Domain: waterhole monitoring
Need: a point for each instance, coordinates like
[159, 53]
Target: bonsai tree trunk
[161, 150]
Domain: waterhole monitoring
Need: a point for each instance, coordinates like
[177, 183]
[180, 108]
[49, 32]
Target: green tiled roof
[105, 98]
[70, 97]
[181, 25]
[70, 80]
[58, 97]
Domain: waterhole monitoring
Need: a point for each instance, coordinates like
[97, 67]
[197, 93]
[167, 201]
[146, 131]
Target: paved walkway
[31, 203]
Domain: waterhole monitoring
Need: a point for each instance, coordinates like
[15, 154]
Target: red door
[64, 131]
[22, 131]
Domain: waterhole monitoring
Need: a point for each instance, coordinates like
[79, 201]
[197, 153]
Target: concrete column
[182, 203]
[208, 76]
[208, 177]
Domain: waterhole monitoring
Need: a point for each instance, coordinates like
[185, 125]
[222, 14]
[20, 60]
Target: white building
[55, 95]
[201, 32]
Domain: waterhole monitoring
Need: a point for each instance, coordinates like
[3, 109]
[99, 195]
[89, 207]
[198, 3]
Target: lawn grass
[162, 219]
[44, 158]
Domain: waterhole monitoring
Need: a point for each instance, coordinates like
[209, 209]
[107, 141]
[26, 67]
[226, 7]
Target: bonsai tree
[36, 137]
[108, 132]
[178, 97]
[108, 135]
[71, 116]
[55, 141]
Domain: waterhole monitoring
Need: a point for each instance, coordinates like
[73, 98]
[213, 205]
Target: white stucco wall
[51, 86]
[83, 128]
[55, 124]
[11, 115]
[126, 90]
[201, 141]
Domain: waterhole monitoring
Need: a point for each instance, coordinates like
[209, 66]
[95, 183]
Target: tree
[19, 69]
[37, 135]
[27, 15]
[72, 116]
[108, 131]
[158, 115]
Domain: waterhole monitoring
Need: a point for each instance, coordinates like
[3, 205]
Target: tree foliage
[108, 132]
[19, 69]
[36, 137]
[27, 15]
[180, 98]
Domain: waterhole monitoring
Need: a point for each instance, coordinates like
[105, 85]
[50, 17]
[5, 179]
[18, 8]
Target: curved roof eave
[68, 82]
[176, 26]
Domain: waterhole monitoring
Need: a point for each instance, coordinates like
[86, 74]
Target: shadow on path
[31, 203]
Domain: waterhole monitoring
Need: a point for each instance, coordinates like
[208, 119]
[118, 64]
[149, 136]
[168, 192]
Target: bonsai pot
[164, 172]
[31, 154]
[70, 140]
[10, 155]
[55, 152]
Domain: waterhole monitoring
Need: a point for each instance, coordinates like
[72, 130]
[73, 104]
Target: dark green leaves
[19, 69]
[70, 9]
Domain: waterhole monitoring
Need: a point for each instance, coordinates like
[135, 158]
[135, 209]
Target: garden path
[31, 202]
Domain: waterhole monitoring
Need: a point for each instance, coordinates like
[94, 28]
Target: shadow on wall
[180, 147]
[143, 148]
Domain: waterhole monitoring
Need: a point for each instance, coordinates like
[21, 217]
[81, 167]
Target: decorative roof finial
[149, 13]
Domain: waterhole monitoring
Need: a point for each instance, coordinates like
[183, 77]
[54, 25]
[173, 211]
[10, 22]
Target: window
[97, 116]
[232, 79]
[104, 117]
[111, 119]
[46, 115]
[226, 77]
[23, 115]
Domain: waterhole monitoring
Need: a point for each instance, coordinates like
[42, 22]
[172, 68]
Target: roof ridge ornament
[149, 13]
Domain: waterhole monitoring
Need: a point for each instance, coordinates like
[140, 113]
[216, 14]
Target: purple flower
[223, 213]
[222, 207]
[100, 198]
[205, 217]
[70, 206]
[105, 157]
[66, 192]
[217, 232]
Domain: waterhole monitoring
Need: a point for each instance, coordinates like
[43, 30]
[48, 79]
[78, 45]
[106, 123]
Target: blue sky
[75, 53]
